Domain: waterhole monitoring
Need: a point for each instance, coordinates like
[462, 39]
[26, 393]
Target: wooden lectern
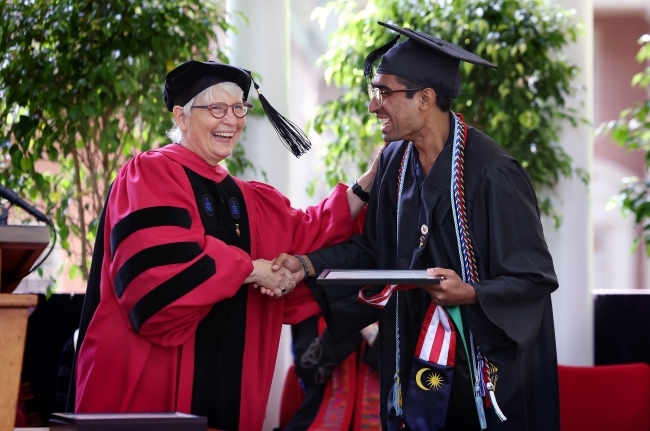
[20, 246]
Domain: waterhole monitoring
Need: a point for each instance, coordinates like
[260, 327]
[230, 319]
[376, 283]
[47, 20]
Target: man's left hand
[451, 290]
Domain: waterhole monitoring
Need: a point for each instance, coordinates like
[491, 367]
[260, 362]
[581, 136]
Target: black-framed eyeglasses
[378, 93]
[219, 110]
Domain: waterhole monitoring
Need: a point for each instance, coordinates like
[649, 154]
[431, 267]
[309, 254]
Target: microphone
[12, 197]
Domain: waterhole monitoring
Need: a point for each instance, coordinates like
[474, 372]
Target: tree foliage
[521, 105]
[81, 86]
[632, 132]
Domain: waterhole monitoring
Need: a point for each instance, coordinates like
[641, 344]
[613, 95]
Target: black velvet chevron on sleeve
[171, 290]
[152, 257]
[148, 217]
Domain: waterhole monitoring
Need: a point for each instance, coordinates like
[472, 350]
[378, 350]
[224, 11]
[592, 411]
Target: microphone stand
[13, 199]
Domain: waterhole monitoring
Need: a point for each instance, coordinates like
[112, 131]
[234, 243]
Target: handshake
[280, 276]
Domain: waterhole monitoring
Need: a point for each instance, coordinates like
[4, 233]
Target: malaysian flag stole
[427, 398]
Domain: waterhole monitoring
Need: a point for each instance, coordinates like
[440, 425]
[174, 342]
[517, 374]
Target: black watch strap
[357, 190]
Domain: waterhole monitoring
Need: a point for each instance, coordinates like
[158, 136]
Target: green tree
[81, 85]
[521, 105]
[632, 132]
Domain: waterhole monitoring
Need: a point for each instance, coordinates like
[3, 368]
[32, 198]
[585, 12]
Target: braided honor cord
[468, 263]
[397, 387]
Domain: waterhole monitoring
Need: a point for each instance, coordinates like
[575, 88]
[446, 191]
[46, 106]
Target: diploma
[373, 276]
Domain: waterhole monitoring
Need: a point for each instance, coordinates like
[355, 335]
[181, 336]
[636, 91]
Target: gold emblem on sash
[492, 374]
[433, 380]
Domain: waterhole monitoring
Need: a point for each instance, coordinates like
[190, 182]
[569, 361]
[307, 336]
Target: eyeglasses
[219, 110]
[378, 93]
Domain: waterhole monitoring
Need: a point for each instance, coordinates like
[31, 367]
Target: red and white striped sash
[380, 299]
[437, 341]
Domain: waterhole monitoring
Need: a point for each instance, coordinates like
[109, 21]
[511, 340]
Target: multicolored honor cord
[484, 372]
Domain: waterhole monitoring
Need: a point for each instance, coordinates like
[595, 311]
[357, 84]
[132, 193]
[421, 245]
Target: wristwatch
[357, 190]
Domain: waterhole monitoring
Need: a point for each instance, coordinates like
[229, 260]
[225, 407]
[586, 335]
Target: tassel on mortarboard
[373, 57]
[291, 135]
[190, 78]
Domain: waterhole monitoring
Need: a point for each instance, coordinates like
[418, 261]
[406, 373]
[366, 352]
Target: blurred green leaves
[81, 85]
[522, 105]
[632, 132]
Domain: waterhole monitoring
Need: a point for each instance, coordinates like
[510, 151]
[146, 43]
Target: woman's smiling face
[212, 139]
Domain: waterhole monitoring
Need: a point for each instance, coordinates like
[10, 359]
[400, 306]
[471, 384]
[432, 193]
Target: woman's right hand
[365, 182]
[272, 283]
[366, 179]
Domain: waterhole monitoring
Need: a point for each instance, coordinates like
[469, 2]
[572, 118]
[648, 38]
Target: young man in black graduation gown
[413, 223]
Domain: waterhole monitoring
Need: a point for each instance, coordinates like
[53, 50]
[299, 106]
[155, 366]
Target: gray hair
[211, 93]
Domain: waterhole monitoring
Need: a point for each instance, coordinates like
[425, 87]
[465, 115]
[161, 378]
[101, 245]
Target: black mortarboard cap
[190, 78]
[427, 60]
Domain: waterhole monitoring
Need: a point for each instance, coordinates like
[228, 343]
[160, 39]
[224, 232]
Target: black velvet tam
[192, 77]
[427, 60]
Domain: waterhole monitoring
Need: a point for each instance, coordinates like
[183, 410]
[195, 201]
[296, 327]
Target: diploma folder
[366, 276]
[127, 422]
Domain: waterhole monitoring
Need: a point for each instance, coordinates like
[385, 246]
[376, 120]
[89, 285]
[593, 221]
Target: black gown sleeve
[517, 268]
[344, 314]
[316, 356]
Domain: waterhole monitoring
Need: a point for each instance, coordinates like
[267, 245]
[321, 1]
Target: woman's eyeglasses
[378, 93]
[219, 110]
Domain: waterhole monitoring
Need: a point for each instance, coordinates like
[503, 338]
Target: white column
[572, 244]
[263, 46]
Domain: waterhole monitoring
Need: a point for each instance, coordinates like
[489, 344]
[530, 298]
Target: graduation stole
[426, 407]
[337, 405]
[432, 372]
[351, 396]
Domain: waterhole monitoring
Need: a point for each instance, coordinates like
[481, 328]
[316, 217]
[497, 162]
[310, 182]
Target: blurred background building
[618, 25]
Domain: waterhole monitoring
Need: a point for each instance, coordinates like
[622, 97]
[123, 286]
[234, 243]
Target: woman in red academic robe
[177, 323]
